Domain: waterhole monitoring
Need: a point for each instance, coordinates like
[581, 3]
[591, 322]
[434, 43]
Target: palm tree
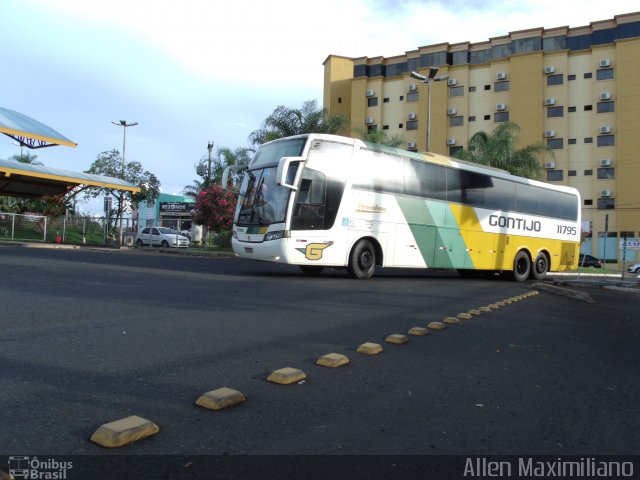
[497, 149]
[285, 122]
[192, 190]
[378, 136]
[224, 157]
[26, 158]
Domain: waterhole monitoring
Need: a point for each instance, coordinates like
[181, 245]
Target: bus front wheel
[362, 261]
[540, 267]
[521, 266]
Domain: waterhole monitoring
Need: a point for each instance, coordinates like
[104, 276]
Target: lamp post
[428, 79]
[124, 125]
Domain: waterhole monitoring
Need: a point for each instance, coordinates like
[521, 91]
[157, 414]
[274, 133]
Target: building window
[501, 86]
[606, 203]
[572, 141]
[555, 143]
[588, 75]
[456, 121]
[605, 107]
[606, 173]
[472, 118]
[412, 97]
[372, 102]
[487, 117]
[500, 117]
[588, 202]
[339, 99]
[400, 125]
[606, 140]
[555, 112]
[385, 127]
[401, 98]
[385, 100]
[412, 125]
[456, 91]
[571, 77]
[472, 89]
[604, 74]
[555, 175]
[588, 108]
[487, 87]
[588, 139]
[572, 173]
[454, 150]
[555, 79]
[571, 109]
[588, 172]
[372, 128]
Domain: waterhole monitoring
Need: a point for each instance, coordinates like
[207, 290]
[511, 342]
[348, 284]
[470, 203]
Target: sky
[196, 71]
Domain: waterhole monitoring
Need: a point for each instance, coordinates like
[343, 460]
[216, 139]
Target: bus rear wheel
[540, 267]
[362, 261]
[521, 266]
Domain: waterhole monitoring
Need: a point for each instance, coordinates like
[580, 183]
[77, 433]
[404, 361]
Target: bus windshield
[261, 201]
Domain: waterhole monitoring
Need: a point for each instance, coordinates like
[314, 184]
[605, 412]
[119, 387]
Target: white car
[161, 237]
[635, 268]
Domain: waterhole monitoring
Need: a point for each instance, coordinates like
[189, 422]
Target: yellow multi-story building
[576, 89]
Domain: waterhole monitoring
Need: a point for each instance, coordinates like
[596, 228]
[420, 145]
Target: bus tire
[311, 270]
[521, 266]
[540, 267]
[362, 260]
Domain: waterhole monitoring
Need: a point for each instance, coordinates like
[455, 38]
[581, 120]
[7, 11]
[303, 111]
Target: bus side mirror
[282, 175]
[225, 174]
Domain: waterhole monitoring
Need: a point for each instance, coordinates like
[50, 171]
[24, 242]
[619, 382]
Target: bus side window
[308, 213]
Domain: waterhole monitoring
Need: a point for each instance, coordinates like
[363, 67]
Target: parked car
[589, 261]
[635, 268]
[161, 237]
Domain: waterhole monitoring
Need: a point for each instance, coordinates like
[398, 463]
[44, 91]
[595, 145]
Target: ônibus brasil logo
[38, 469]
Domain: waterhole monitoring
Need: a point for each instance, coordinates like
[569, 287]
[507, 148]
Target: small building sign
[177, 209]
[630, 244]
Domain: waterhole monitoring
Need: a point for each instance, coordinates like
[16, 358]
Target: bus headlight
[276, 235]
[234, 234]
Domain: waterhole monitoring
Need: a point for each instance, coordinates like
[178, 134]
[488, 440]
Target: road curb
[566, 292]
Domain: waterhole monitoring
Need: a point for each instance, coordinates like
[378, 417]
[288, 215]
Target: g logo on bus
[313, 251]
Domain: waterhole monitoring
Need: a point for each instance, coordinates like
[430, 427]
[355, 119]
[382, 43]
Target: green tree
[498, 149]
[215, 208]
[378, 136]
[110, 164]
[26, 158]
[213, 173]
[285, 121]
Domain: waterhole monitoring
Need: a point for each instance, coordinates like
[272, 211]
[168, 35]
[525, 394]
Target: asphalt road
[89, 337]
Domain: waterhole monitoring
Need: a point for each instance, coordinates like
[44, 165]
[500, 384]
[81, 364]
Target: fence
[70, 229]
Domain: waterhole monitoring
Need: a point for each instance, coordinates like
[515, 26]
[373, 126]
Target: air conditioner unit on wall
[451, 141]
[501, 106]
[411, 144]
[501, 76]
[605, 62]
[451, 111]
[605, 129]
[369, 120]
[411, 116]
[549, 70]
[549, 101]
[549, 165]
[549, 133]
[451, 82]
[605, 193]
[370, 93]
[605, 96]
[605, 162]
[412, 87]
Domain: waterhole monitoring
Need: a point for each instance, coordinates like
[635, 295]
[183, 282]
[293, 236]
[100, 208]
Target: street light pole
[428, 79]
[124, 125]
[209, 147]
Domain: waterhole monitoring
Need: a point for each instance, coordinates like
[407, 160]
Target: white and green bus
[321, 201]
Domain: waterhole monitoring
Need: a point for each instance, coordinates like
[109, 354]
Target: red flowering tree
[215, 207]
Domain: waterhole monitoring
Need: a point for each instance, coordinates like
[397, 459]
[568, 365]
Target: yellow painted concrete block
[464, 316]
[418, 331]
[332, 360]
[493, 306]
[475, 312]
[369, 348]
[484, 309]
[453, 320]
[286, 376]
[124, 431]
[436, 325]
[397, 338]
[501, 304]
[507, 301]
[221, 398]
